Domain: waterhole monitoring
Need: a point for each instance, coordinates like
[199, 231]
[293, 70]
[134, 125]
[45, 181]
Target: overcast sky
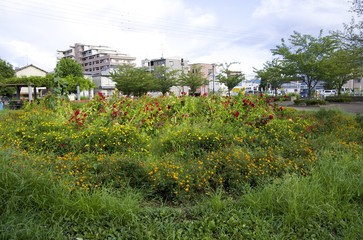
[202, 31]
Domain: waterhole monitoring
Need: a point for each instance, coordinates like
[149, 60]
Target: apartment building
[95, 59]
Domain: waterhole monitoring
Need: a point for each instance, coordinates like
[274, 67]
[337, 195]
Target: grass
[328, 204]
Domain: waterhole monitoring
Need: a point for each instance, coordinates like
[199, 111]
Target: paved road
[353, 107]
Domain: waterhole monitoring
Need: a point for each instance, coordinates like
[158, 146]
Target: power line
[80, 14]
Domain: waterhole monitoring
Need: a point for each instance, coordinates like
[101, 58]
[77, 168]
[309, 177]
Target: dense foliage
[131, 80]
[193, 79]
[6, 71]
[68, 74]
[230, 78]
[240, 168]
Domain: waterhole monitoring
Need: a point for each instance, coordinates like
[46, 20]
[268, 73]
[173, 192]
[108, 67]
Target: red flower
[236, 114]
[101, 95]
[271, 116]
[76, 112]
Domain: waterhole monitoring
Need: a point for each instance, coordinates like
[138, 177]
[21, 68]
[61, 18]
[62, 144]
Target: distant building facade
[104, 83]
[95, 59]
[172, 63]
[208, 72]
[355, 85]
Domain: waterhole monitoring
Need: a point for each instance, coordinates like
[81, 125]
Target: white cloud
[304, 12]
[213, 32]
[25, 53]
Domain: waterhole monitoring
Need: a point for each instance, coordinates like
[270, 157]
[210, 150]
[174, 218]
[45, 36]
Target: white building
[95, 59]
[104, 83]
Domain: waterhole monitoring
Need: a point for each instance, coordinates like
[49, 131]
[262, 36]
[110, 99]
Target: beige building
[95, 59]
[208, 71]
[355, 85]
[28, 71]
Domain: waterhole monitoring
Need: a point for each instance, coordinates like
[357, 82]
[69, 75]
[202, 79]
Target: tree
[68, 67]
[6, 72]
[275, 73]
[132, 80]
[230, 78]
[68, 74]
[305, 56]
[165, 78]
[357, 6]
[351, 38]
[342, 66]
[193, 79]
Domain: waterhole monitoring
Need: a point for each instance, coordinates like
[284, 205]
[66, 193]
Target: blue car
[304, 93]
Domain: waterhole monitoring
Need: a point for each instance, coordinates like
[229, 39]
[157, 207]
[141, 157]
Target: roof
[31, 65]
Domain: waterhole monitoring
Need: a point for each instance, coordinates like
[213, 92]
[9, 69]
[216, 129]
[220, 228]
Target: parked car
[250, 92]
[327, 93]
[304, 93]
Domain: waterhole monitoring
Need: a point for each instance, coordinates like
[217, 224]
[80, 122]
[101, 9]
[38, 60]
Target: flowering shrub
[177, 146]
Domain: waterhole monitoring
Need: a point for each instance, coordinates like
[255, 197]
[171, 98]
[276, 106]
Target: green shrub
[338, 99]
[309, 102]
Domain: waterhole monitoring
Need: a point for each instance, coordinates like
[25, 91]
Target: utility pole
[213, 66]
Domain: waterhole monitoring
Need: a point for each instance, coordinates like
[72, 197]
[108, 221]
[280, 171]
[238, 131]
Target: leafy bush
[340, 99]
[309, 102]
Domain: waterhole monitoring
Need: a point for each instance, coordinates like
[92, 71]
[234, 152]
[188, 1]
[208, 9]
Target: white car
[327, 93]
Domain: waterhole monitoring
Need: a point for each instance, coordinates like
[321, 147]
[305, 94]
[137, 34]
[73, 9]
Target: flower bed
[178, 147]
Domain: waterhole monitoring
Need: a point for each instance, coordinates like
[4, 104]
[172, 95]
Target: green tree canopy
[68, 74]
[132, 80]
[275, 73]
[342, 66]
[6, 71]
[68, 67]
[193, 79]
[230, 78]
[165, 78]
[305, 55]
